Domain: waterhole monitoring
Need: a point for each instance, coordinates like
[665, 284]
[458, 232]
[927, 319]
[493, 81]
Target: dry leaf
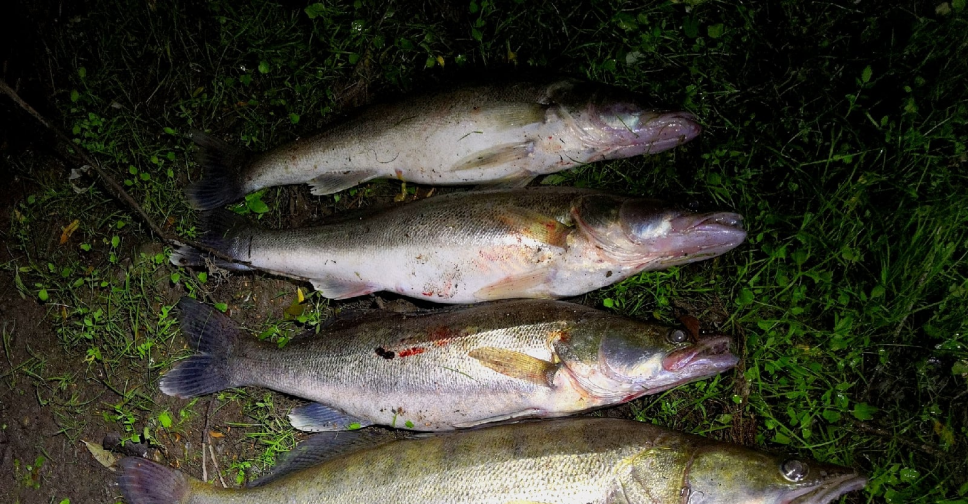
[69, 230]
[104, 457]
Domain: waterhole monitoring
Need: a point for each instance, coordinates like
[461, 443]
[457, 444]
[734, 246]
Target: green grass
[836, 129]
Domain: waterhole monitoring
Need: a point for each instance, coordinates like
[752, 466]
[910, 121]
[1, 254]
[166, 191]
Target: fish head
[651, 234]
[616, 360]
[613, 123]
[732, 473]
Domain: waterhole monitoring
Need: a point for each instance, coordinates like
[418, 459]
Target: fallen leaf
[215, 434]
[69, 230]
[104, 457]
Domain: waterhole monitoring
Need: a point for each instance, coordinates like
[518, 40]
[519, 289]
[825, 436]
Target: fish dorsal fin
[329, 183]
[320, 448]
[495, 156]
[516, 365]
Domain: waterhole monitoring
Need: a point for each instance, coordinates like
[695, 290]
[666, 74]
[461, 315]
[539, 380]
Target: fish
[574, 461]
[469, 247]
[449, 369]
[466, 134]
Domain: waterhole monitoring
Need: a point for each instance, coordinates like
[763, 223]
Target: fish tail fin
[215, 337]
[222, 173]
[145, 482]
[220, 230]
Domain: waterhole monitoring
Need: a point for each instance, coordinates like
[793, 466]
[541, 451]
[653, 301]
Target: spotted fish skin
[467, 134]
[541, 242]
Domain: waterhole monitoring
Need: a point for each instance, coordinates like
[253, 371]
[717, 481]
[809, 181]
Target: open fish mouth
[669, 130]
[829, 490]
[709, 357]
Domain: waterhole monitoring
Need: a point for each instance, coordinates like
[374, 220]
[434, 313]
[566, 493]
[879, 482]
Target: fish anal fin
[317, 417]
[495, 156]
[335, 288]
[516, 365]
[329, 183]
[516, 286]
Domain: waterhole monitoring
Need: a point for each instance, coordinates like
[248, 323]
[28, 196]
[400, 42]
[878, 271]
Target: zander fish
[466, 135]
[451, 369]
[576, 461]
[541, 242]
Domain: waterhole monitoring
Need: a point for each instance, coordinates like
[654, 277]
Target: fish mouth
[706, 234]
[669, 130]
[709, 357]
[828, 491]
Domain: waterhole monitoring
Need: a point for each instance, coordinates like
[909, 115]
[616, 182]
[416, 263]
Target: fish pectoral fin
[329, 183]
[335, 288]
[515, 287]
[317, 417]
[495, 156]
[516, 365]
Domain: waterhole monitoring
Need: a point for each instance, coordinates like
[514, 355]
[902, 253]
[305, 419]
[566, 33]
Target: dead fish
[541, 242]
[469, 134]
[448, 369]
[576, 461]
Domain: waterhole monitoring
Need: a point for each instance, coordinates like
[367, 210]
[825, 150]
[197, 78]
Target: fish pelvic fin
[317, 417]
[506, 183]
[329, 183]
[527, 285]
[215, 337]
[222, 173]
[336, 288]
[495, 156]
[516, 365]
[145, 482]
[221, 230]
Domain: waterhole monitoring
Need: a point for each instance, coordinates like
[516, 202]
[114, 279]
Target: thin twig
[205, 437]
[215, 463]
[113, 186]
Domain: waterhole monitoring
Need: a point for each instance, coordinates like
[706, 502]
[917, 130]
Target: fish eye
[677, 336]
[794, 470]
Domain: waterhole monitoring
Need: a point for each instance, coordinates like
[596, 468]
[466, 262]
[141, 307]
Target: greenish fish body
[469, 134]
[450, 369]
[542, 242]
[577, 461]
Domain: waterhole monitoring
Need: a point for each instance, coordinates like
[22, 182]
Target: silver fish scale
[444, 249]
[393, 375]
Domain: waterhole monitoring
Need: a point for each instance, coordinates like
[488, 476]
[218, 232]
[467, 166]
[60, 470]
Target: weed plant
[838, 129]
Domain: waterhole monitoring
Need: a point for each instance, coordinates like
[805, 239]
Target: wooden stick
[112, 184]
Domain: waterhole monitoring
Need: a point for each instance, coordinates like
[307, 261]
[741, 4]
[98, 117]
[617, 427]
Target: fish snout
[710, 354]
[668, 130]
